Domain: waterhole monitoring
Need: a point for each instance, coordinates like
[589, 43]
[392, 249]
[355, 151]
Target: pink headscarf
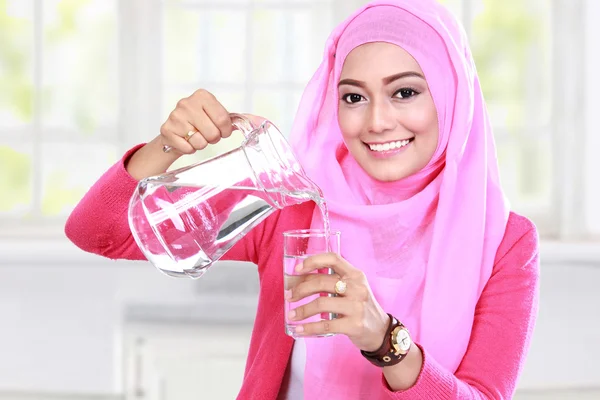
[427, 252]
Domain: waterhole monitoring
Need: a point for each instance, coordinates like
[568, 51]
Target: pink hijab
[426, 252]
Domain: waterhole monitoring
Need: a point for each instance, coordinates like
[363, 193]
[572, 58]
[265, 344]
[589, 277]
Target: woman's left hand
[361, 318]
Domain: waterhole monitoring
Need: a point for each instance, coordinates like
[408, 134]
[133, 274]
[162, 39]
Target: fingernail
[287, 294]
[299, 267]
[292, 314]
[299, 329]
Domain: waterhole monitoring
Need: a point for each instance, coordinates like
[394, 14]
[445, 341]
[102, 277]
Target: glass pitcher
[186, 219]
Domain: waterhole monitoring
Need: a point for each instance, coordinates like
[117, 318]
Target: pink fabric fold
[426, 243]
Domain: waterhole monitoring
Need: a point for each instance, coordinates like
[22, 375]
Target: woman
[394, 130]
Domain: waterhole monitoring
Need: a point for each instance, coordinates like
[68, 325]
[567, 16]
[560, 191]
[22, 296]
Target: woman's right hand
[200, 113]
[196, 122]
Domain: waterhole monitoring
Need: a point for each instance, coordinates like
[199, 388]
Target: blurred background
[82, 81]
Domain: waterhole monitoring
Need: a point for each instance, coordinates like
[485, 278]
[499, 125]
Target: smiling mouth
[382, 147]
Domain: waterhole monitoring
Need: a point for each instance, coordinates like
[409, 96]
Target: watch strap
[386, 355]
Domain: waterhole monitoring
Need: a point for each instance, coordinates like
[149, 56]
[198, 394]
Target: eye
[352, 98]
[405, 93]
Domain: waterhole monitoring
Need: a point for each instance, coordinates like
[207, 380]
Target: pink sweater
[502, 329]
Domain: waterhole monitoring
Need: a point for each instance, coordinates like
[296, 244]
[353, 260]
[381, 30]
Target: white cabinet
[184, 362]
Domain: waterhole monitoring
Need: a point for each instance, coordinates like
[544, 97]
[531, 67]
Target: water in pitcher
[194, 226]
[186, 219]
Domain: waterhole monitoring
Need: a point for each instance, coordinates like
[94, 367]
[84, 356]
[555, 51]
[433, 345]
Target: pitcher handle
[238, 121]
[242, 123]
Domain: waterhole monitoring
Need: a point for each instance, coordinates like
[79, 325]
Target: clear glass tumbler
[297, 246]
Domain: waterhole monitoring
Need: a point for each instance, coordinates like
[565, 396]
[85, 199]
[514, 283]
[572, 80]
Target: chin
[387, 174]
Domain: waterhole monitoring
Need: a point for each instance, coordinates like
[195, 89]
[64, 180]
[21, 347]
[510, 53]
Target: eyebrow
[387, 80]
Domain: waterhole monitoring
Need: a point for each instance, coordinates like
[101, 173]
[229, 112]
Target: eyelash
[414, 91]
[346, 97]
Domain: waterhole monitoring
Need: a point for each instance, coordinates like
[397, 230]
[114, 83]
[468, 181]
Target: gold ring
[189, 135]
[340, 287]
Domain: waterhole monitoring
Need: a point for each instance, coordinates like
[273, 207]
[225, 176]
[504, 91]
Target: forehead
[379, 58]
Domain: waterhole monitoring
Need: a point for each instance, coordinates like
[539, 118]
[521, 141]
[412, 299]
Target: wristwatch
[395, 347]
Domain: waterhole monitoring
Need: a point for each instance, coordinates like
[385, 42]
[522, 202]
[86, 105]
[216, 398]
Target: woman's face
[386, 112]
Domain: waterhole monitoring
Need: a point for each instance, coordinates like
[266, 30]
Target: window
[536, 71]
[512, 48]
[255, 56]
[58, 105]
[83, 80]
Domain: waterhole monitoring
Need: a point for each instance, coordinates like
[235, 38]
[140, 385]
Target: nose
[381, 117]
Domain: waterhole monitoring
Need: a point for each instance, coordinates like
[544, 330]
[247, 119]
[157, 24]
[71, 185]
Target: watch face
[401, 340]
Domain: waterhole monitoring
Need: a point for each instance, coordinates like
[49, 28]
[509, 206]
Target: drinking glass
[297, 246]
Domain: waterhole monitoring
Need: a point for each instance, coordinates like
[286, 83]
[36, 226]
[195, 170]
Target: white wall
[61, 314]
[591, 102]
[566, 348]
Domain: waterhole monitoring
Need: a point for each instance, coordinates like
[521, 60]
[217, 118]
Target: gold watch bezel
[395, 345]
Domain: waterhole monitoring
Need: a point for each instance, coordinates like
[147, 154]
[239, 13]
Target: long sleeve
[504, 320]
[99, 223]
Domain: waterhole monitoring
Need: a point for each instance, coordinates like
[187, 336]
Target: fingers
[353, 319]
[177, 142]
[198, 141]
[205, 127]
[324, 304]
[344, 324]
[201, 113]
[361, 318]
[312, 284]
[322, 327]
[219, 117]
[327, 260]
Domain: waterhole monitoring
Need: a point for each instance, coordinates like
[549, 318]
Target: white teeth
[389, 145]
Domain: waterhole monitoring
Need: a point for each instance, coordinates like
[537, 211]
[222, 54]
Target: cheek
[422, 121]
[350, 122]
